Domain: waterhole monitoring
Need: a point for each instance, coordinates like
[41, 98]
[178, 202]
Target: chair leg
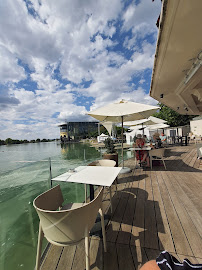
[87, 252]
[39, 246]
[151, 162]
[116, 182]
[85, 193]
[103, 229]
[110, 195]
[164, 163]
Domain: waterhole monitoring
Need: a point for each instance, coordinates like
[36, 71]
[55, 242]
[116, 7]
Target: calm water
[24, 174]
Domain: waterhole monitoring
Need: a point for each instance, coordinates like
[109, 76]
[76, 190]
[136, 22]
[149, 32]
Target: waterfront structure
[77, 130]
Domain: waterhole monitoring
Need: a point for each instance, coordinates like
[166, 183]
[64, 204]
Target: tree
[8, 141]
[173, 118]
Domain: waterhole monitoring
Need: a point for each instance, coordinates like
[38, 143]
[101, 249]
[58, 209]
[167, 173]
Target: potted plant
[111, 152]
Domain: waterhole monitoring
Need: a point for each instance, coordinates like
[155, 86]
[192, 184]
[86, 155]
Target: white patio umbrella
[148, 122]
[158, 126]
[122, 111]
[108, 126]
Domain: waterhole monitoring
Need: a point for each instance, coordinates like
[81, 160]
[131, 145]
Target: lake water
[24, 174]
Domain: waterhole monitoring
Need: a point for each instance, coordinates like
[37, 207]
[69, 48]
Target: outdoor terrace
[152, 211]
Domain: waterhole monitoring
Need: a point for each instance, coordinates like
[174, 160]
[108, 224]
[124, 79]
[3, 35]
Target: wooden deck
[153, 211]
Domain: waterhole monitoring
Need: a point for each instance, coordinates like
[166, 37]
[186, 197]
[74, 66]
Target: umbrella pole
[122, 141]
[123, 170]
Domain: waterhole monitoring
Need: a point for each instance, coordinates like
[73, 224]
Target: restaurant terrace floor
[153, 210]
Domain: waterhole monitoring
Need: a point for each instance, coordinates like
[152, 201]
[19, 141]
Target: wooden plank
[66, 259]
[152, 254]
[192, 188]
[164, 234]
[110, 257]
[190, 231]
[137, 234]
[96, 254]
[199, 260]
[139, 256]
[197, 164]
[188, 203]
[124, 234]
[125, 259]
[190, 258]
[106, 200]
[114, 225]
[150, 234]
[79, 261]
[180, 241]
[52, 258]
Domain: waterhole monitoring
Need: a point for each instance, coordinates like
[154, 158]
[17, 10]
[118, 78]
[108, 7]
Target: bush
[109, 144]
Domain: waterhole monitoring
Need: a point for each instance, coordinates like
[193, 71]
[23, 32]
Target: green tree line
[173, 118]
[13, 141]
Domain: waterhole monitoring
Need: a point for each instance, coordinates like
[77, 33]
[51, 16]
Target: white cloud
[145, 13]
[9, 68]
[141, 20]
[73, 51]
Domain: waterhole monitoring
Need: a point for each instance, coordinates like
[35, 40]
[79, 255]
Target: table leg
[91, 192]
[140, 158]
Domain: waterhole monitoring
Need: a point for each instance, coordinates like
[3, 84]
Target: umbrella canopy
[103, 135]
[139, 122]
[108, 126]
[150, 121]
[158, 126]
[123, 110]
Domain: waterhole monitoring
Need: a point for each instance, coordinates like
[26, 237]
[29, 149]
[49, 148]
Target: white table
[146, 148]
[92, 175]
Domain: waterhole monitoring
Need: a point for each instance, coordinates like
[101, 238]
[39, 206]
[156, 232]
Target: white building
[196, 126]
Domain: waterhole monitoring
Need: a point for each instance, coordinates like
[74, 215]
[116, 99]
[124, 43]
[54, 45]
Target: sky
[61, 59]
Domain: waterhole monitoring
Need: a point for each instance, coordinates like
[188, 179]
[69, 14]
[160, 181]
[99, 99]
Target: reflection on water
[24, 174]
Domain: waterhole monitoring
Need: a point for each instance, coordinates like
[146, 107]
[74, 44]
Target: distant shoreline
[10, 141]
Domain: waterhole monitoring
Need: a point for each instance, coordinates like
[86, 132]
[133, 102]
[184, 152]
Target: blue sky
[60, 59]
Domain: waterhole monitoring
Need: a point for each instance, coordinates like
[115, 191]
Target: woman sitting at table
[141, 155]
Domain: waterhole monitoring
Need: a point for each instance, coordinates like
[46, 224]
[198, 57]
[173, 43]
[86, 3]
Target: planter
[113, 156]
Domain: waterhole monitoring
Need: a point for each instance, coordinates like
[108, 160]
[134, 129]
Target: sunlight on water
[24, 174]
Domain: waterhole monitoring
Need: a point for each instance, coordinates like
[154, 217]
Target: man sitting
[163, 138]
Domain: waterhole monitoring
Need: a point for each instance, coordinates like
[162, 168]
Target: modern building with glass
[77, 130]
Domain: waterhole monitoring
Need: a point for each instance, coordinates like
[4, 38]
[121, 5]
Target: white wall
[196, 127]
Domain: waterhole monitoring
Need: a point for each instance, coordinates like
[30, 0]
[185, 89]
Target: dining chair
[157, 154]
[106, 163]
[69, 224]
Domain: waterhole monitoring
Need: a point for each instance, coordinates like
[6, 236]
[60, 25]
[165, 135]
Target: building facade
[77, 130]
[196, 126]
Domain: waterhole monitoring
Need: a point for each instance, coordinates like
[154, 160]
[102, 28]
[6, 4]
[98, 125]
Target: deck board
[180, 240]
[153, 210]
[66, 259]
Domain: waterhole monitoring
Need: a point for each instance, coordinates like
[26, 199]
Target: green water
[24, 174]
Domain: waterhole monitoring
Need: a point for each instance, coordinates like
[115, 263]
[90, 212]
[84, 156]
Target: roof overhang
[177, 72]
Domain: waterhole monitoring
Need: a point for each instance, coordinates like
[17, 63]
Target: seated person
[157, 140]
[141, 155]
[145, 138]
[163, 137]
